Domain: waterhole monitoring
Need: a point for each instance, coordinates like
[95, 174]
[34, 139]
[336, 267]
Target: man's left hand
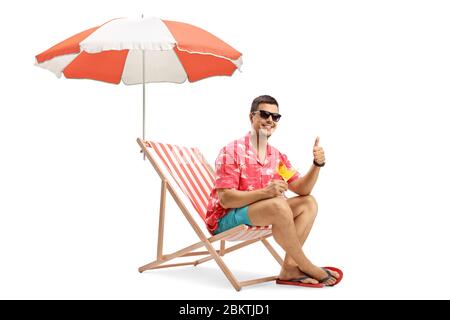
[319, 154]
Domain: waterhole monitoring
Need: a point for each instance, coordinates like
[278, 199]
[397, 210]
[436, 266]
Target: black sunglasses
[266, 114]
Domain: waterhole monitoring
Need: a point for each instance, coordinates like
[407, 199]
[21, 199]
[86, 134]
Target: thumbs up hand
[319, 154]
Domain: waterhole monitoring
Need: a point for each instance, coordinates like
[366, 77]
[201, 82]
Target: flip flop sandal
[298, 282]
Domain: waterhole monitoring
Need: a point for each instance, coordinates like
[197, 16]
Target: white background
[79, 207]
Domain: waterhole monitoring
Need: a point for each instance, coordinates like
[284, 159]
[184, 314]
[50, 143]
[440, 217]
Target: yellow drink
[284, 172]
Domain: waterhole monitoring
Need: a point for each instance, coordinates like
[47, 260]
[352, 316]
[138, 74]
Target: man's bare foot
[292, 272]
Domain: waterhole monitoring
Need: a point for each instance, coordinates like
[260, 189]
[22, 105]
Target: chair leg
[230, 249]
[162, 211]
[213, 254]
[222, 248]
[192, 263]
[223, 266]
[272, 251]
[167, 258]
[205, 240]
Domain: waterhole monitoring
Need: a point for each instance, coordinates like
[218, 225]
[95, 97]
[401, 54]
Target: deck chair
[192, 175]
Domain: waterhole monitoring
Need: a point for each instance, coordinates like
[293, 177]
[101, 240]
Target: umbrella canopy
[123, 49]
[137, 51]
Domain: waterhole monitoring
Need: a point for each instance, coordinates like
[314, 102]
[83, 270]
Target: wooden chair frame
[206, 242]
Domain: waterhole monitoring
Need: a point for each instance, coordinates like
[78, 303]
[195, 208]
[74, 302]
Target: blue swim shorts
[233, 218]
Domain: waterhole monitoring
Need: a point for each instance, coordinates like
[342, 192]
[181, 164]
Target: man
[249, 189]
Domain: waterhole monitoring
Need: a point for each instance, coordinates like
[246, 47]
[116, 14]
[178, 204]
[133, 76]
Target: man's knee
[311, 204]
[279, 208]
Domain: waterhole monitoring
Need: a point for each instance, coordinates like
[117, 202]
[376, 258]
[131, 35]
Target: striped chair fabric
[189, 169]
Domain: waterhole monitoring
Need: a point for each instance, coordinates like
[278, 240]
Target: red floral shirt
[238, 167]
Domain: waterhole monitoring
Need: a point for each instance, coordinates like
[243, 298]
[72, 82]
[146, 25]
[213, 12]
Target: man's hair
[262, 99]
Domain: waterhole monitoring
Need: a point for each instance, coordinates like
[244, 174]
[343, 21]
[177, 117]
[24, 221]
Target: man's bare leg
[278, 213]
[304, 209]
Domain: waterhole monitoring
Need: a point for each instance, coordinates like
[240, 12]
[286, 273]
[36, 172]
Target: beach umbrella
[142, 50]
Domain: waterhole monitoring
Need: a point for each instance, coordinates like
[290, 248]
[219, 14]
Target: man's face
[261, 125]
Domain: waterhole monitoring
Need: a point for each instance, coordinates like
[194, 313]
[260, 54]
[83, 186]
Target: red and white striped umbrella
[137, 51]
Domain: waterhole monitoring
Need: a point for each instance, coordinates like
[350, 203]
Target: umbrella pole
[143, 96]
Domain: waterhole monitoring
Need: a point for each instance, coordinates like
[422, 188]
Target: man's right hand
[275, 188]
